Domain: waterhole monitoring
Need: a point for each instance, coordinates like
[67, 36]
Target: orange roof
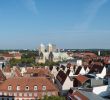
[78, 96]
[7, 69]
[28, 81]
[17, 72]
[81, 78]
[17, 54]
[39, 71]
[2, 77]
[8, 55]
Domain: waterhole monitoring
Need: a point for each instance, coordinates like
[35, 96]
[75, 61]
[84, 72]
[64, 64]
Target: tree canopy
[54, 98]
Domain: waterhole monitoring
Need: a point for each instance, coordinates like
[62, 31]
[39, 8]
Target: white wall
[101, 90]
[82, 72]
[54, 71]
[102, 75]
[67, 84]
[79, 62]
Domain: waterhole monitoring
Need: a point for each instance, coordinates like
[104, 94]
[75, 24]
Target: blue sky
[66, 23]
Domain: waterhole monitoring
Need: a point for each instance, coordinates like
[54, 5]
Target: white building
[101, 90]
[63, 82]
[42, 48]
[51, 48]
[50, 55]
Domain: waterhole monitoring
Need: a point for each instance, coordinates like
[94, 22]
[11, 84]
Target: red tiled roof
[39, 71]
[97, 67]
[85, 54]
[81, 78]
[2, 77]
[61, 77]
[17, 54]
[17, 72]
[78, 96]
[8, 55]
[28, 81]
[90, 54]
[7, 69]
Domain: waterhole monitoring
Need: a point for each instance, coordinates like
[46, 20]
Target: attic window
[9, 87]
[35, 88]
[18, 87]
[43, 87]
[27, 88]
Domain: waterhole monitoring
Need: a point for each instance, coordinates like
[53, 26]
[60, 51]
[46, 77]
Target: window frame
[18, 87]
[35, 88]
[43, 87]
[9, 88]
[27, 88]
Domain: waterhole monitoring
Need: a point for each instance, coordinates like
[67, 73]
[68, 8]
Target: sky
[75, 24]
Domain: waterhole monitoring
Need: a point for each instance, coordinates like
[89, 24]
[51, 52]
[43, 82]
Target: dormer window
[9, 87]
[35, 88]
[27, 88]
[43, 87]
[18, 88]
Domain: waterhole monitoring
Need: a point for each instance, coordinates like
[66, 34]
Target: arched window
[41, 55]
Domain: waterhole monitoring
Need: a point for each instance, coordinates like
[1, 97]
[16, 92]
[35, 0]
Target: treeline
[28, 58]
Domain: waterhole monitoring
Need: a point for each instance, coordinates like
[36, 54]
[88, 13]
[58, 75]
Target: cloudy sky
[66, 23]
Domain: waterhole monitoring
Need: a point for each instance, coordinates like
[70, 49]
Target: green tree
[14, 62]
[54, 98]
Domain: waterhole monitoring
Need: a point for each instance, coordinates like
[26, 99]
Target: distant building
[99, 53]
[51, 48]
[51, 54]
[10, 55]
[42, 48]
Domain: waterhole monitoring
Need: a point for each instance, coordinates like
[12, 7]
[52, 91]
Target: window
[30, 94]
[10, 94]
[35, 87]
[43, 87]
[9, 87]
[49, 94]
[43, 93]
[35, 94]
[25, 94]
[5, 94]
[18, 88]
[15, 94]
[27, 88]
[53, 93]
[20, 94]
[0, 94]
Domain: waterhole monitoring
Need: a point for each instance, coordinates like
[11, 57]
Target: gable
[61, 77]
